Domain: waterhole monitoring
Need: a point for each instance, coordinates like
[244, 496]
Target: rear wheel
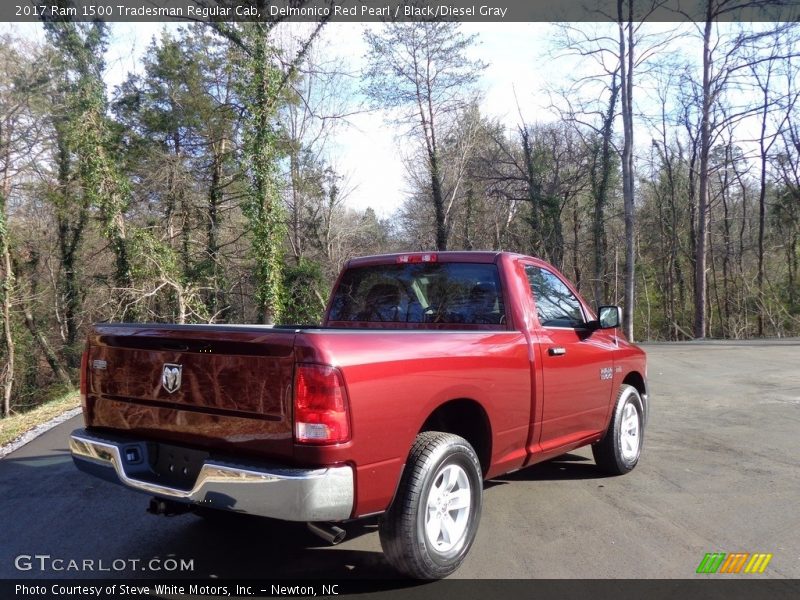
[430, 527]
[619, 451]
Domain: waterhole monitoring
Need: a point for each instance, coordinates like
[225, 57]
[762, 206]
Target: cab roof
[481, 256]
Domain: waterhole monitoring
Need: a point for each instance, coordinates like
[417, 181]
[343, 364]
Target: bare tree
[422, 69]
[723, 63]
[765, 57]
[319, 102]
[617, 60]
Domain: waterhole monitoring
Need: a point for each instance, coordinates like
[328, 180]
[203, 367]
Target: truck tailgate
[217, 387]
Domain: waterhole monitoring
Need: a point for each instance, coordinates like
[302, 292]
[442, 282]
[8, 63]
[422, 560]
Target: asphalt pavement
[719, 473]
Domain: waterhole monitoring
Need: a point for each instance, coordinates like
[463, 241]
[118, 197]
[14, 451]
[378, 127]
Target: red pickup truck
[430, 373]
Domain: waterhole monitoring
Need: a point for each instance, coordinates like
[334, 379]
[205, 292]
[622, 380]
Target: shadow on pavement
[52, 509]
[568, 466]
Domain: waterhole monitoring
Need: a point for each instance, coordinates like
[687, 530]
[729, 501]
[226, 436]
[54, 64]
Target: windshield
[444, 293]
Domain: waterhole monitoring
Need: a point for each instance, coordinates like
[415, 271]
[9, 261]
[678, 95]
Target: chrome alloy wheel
[629, 432]
[447, 508]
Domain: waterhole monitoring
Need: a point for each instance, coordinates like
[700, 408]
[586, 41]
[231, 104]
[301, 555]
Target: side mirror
[609, 317]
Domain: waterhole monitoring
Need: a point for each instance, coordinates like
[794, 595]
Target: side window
[556, 305]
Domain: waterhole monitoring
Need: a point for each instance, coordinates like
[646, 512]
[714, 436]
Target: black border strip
[706, 587]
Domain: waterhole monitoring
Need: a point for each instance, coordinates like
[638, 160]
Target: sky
[370, 151]
[367, 151]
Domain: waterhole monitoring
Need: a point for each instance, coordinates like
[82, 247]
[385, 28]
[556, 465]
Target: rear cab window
[443, 295]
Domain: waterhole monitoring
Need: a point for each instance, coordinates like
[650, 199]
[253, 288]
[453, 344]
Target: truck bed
[236, 393]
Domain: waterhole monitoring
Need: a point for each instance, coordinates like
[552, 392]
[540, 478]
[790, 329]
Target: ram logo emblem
[171, 377]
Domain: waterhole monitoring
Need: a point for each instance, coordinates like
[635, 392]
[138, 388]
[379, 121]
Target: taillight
[417, 258]
[320, 406]
[84, 375]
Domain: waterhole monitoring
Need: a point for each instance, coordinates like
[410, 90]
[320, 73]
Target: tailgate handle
[178, 347]
[557, 351]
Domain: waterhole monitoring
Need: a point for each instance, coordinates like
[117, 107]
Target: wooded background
[201, 189]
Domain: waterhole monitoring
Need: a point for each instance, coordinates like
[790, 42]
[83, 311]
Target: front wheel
[619, 451]
[431, 525]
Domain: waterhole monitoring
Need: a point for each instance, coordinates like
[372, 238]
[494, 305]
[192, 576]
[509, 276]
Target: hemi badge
[99, 364]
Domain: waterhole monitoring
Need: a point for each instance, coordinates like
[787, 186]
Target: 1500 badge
[606, 373]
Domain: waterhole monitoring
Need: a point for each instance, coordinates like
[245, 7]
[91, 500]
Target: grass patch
[17, 424]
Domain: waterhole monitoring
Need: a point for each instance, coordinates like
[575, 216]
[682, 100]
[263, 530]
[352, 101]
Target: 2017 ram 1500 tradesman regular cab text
[430, 373]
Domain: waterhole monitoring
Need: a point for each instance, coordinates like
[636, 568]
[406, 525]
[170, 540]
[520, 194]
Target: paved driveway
[719, 473]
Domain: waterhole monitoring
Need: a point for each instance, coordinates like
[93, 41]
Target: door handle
[557, 351]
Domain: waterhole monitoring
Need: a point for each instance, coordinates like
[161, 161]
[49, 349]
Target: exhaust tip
[167, 508]
[328, 532]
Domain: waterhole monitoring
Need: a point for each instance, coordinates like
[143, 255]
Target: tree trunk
[44, 346]
[762, 209]
[468, 201]
[6, 287]
[760, 276]
[296, 229]
[692, 191]
[555, 241]
[727, 243]
[438, 201]
[576, 266]
[534, 195]
[70, 227]
[626, 83]
[212, 228]
[601, 197]
[265, 211]
[7, 282]
[703, 208]
[791, 260]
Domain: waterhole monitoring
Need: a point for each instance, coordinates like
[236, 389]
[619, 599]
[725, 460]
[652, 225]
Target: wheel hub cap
[448, 508]
[629, 432]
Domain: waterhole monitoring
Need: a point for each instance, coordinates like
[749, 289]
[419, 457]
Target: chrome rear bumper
[278, 492]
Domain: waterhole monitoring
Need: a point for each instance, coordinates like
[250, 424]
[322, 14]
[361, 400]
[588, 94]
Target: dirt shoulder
[25, 426]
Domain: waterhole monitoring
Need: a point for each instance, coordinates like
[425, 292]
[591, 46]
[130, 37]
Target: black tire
[404, 537]
[615, 454]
